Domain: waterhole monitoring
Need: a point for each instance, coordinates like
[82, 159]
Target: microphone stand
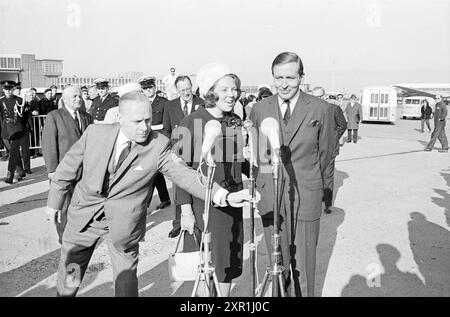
[276, 271]
[252, 191]
[206, 270]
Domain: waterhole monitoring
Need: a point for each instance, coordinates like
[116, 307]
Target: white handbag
[183, 266]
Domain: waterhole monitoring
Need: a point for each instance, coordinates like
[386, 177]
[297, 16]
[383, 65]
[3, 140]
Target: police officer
[13, 117]
[103, 102]
[440, 117]
[148, 85]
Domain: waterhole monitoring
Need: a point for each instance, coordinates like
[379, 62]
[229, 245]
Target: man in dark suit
[103, 102]
[45, 105]
[62, 129]
[340, 127]
[117, 163]
[174, 111]
[307, 141]
[148, 85]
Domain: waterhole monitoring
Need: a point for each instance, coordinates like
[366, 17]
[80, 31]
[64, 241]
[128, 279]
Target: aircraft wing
[408, 92]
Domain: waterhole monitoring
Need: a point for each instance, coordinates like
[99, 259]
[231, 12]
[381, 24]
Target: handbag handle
[182, 234]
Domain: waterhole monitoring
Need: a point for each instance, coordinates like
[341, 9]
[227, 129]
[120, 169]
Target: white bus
[379, 103]
[412, 106]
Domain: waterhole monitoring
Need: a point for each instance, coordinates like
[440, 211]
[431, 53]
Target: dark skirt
[227, 238]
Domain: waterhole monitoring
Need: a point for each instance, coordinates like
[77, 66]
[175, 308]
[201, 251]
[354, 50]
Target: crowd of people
[105, 154]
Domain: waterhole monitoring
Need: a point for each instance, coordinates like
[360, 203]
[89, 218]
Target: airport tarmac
[388, 233]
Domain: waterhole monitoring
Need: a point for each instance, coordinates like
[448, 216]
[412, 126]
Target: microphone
[247, 124]
[213, 129]
[270, 128]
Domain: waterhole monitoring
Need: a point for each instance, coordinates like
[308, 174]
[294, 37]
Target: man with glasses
[174, 111]
[440, 115]
[104, 101]
[148, 85]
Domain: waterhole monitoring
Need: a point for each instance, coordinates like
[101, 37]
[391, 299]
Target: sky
[344, 45]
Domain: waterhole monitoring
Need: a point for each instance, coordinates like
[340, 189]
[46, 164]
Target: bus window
[408, 101]
[415, 101]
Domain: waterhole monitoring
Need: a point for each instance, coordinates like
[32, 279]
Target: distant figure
[175, 111]
[112, 115]
[426, 112]
[263, 93]
[148, 85]
[46, 104]
[340, 101]
[93, 92]
[440, 115]
[87, 102]
[248, 108]
[169, 84]
[340, 127]
[54, 97]
[354, 115]
[62, 129]
[104, 101]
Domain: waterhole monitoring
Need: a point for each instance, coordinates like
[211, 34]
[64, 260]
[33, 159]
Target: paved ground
[388, 234]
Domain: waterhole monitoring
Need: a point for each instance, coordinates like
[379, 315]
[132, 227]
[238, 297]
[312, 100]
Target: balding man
[118, 164]
[62, 129]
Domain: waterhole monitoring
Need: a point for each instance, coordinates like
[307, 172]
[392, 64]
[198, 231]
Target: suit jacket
[158, 111]
[307, 146]
[440, 113]
[98, 109]
[130, 188]
[354, 115]
[340, 125]
[60, 133]
[173, 114]
[45, 106]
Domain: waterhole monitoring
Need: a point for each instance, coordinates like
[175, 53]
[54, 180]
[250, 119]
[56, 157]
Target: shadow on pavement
[24, 205]
[39, 175]
[430, 245]
[391, 283]
[444, 200]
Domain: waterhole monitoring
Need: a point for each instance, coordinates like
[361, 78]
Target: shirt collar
[122, 139]
[293, 100]
[72, 112]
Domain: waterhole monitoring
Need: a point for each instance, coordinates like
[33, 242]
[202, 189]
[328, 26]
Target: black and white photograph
[245, 149]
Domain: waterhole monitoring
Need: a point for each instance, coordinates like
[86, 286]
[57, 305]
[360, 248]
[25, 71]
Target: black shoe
[355, 141]
[444, 151]
[22, 174]
[174, 232]
[163, 204]
[349, 141]
[427, 149]
[28, 171]
[327, 210]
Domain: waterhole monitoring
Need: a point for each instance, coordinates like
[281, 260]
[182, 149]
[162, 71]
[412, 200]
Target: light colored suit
[122, 197]
[307, 146]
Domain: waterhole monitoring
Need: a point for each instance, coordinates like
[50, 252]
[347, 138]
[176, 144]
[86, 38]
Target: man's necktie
[123, 155]
[77, 122]
[185, 109]
[287, 114]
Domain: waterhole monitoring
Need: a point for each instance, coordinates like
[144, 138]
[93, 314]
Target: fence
[37, 125]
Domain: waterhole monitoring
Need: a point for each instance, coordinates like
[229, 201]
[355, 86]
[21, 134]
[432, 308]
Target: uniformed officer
[148, 85]
[103, 102]
[13, 118]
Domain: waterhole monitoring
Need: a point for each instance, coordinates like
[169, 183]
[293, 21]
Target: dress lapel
[298, 116]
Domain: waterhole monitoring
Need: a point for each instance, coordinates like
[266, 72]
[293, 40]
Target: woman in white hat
[219, 89]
